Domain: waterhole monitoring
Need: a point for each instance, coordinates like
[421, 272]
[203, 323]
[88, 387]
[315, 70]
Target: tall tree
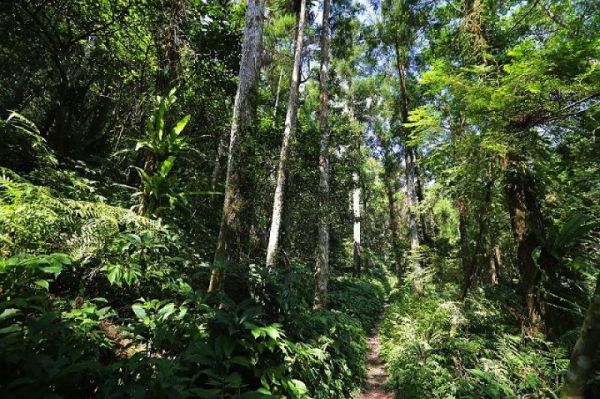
[288, 136]
[244, 110]
[400, 21]
[356, 244]
[322, 264]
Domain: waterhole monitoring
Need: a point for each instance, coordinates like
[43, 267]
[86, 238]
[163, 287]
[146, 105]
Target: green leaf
[42, 283]
[8, 313]
[166, 311]
[167, 165]
[114, 274]
[180, 125]
[139, 311]
[10, 329]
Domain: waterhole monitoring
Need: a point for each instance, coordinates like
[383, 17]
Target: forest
[324, 199]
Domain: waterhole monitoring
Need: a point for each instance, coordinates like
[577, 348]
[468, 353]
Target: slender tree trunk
[391, 197]
[168, 49]
[278, 91]
[322, 265]
[217, 169]
[495, 265]
[288, 135]
[412, 193]
[425, 235]
[461, 208]
[479, 251]
[413, 202]
[581, 367]
[244, 110]
[357, 249]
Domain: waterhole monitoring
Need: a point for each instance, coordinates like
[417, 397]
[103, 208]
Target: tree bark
[216, 174]
[391, 197]
[412, 194]
[581, 366]
[244, 110]
[168, 49]
[528, 227]
[479, 251]
[495, 265]
[278, 91]
[357, 249]
[322, 264]
[288, 135]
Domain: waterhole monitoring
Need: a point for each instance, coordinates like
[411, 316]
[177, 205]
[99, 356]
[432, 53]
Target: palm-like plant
[161, 148]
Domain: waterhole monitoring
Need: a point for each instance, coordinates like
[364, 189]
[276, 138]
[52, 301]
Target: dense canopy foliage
[224, 199]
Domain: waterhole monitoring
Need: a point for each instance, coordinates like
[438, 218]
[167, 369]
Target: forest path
[376, 371]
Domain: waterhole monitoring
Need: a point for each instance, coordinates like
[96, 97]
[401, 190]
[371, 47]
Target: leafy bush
[102, 302]
[341, 368]
[436, 347]
[360, 298]
[115, 314]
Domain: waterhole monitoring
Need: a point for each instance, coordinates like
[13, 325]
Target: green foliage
[438, 348]
[330, 347]
[360, 298]
[336, 366]
[23, 147]
[160, 151]
[129, 323]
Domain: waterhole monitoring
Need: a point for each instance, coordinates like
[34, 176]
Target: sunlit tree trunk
[357, 249]
[322, 265]
[412, 199]
[288, 135]
[495, 264]
[409, 159]
[277, 92]
[581, 366]
[217, 173]
[244, 110]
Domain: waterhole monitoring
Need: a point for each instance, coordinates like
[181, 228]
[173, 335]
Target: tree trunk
[495, 265]
[168, 49]
[412, 192]
[216, 174]
[278, 91]
[288, 135]
[244, 110]
[461, 208]
[581, 366]
[528, 225]
[479, 251]
[391, 197]
[322, 264]
[413, 202]
[356, 217]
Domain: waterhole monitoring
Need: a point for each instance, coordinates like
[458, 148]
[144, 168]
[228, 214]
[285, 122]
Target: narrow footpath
[376, 372]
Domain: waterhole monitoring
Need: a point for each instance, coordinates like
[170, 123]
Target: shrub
[360, 298]
[438, 348]
[341, 370]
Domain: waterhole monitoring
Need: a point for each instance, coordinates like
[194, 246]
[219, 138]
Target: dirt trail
[376, 372]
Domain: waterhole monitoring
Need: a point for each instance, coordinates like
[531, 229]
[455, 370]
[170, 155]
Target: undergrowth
[436, 347]
[102, 302]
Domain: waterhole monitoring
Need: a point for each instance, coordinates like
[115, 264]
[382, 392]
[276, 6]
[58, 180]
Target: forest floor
[375, 387]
